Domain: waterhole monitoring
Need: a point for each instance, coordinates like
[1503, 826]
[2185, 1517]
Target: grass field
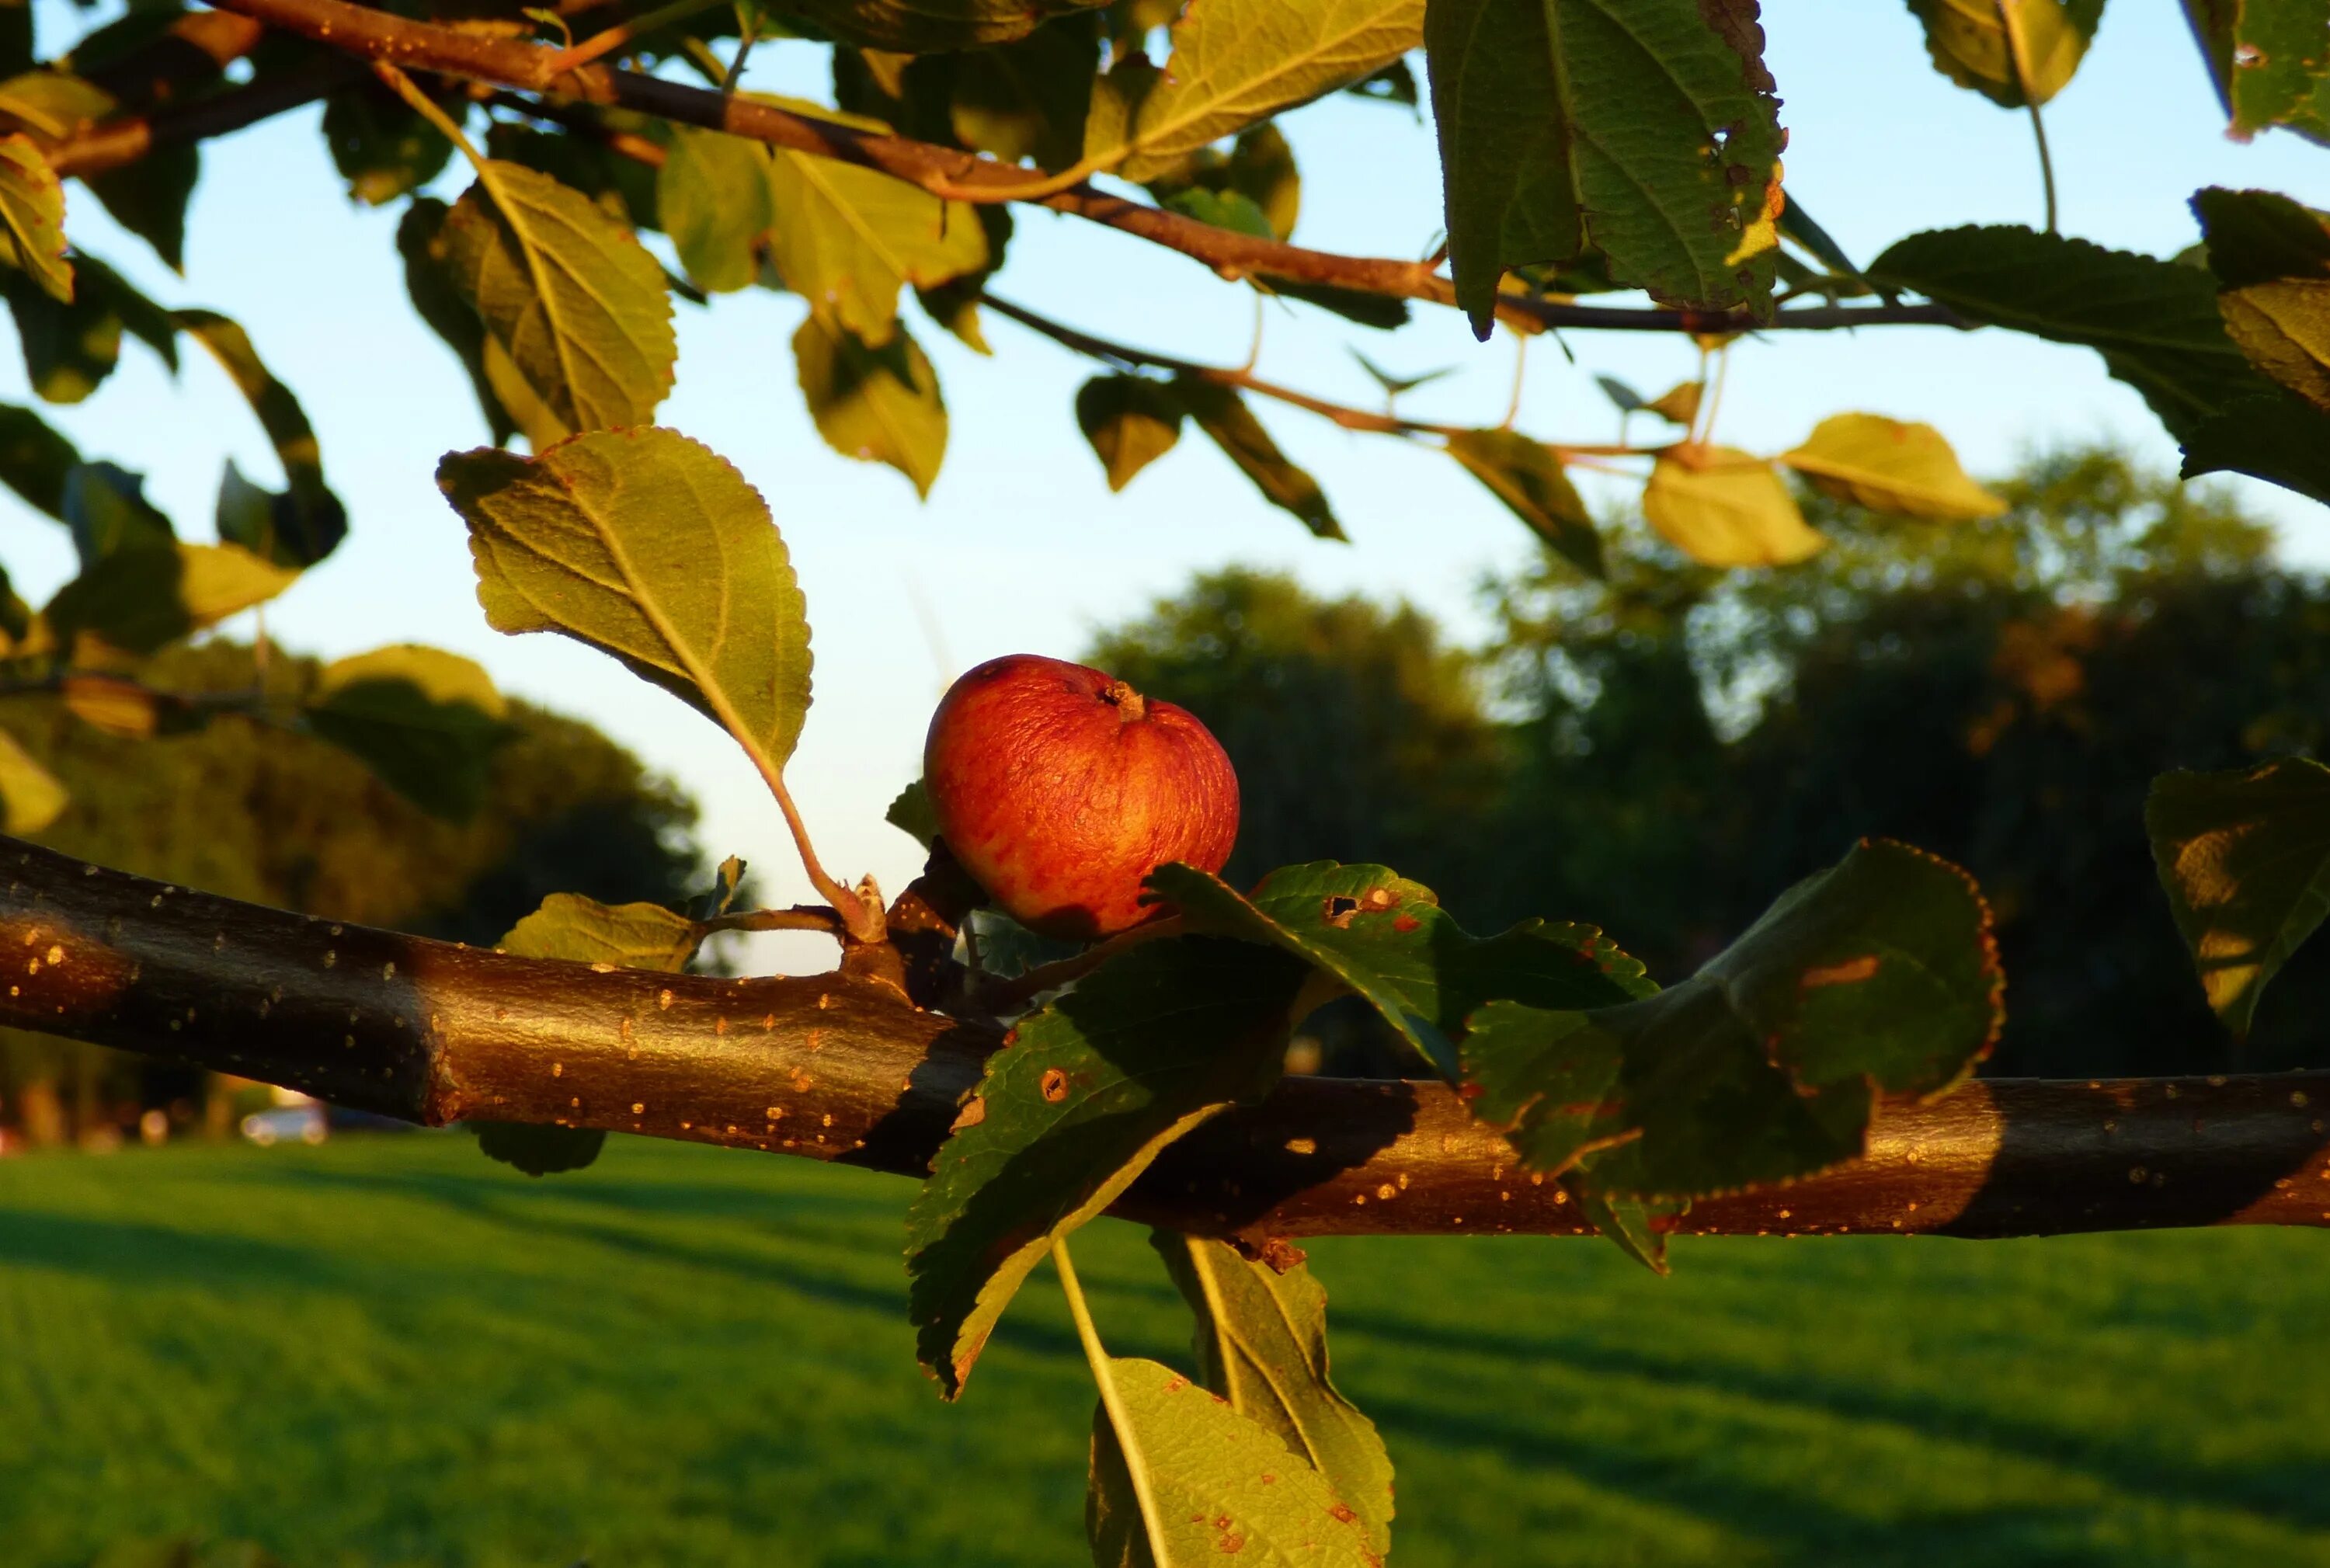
[389, 1351]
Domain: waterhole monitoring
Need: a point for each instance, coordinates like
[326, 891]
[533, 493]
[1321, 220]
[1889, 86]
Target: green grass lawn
[389, 1351]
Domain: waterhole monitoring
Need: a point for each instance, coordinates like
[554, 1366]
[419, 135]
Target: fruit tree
[1605, 167]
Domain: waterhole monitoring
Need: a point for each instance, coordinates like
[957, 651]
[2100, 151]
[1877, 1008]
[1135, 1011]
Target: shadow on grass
[135, 1252]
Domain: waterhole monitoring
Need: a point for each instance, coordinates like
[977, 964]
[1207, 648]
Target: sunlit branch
[532, 68]
[835, 1067]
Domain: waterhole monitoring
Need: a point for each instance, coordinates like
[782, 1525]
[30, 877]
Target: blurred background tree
[1662, 752]
[255, 811]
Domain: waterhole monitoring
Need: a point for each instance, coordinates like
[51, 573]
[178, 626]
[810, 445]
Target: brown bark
[835, 1067]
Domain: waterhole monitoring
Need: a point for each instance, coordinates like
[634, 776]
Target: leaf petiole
[1112, 1399]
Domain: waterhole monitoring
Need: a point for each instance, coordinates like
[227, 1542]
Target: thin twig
[1005, 995]
[801, 917]
[607, 41]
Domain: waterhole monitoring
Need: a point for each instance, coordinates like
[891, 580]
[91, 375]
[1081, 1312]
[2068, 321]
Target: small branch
[2006, 13]
[840, 1068]
[606, 41]
[532, 68]
[119, 142]
[1006, 995]
[802, 917]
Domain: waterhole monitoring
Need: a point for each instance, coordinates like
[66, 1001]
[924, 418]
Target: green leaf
[1877, 974]
[2155, 323]
[69, 349]
[30, 795]
[34, 460]
[954, 304]
[439, 301]
[148, 197]
[1631, 1224]
[141, 599]
[1977, 43]
[912, 813]
[1224, 416]
[2267, 60]
[2271, 258]
[2245, 859]
[1797, 224]
[1726, 507]
[1232, 210]
[1261, 1343]
[1030, 98]
[1089, 1092]
[582, 930]
[427, 721]
[1261, 167]
[847, 237]
[1393, 385]
[1527, 478]
[32, 208]
[1238, 62]
[1224, 1487]
[1394, 83]
[381, 146]
[1563, 122]
[712, 197]
[2278, 436]
[105, 507]
[1130, 422]
[1626, 398]
[927, 26]
[1386, 939]
[878, 405]
[306, 522]
[1891, 465]
[652, 548]
[571, 296]
[1378, 311]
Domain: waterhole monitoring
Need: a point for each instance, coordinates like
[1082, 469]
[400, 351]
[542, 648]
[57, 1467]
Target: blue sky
[1020, 546]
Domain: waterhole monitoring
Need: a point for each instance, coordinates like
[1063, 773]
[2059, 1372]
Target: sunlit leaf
[1978, 43]
[1566, 122]
[878, 405]
[30, 795]
[1225, 1488]
[1261, 1343]
[570, 294]
[2271, 260]
[2245, 859]
[1725, 507]
[652, 548]
[1130, 422]
[33, 209]
[1891, 465]
[712, 197]
[1237, 62]
[1092, 1088]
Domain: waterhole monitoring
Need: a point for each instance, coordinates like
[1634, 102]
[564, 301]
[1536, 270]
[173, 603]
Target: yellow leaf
[1891, 465]
[30, 795]
[1725, 507]
[1679, 404]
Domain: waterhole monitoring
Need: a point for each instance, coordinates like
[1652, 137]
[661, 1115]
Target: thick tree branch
[838, 1068]
[508, 62]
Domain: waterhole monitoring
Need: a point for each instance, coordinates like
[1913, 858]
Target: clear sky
[1020, 546]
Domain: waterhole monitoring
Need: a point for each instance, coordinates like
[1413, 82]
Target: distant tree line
[1661, 752]
[255, 811]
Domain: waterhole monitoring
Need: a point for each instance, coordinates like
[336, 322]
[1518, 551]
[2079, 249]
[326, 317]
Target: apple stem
[1129, 704]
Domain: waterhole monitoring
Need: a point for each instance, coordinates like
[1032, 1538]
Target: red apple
[1060, 788]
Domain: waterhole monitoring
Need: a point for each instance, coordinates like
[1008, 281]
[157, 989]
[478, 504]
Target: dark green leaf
[1393, 385]
[2267, 59]
[1224, 416]
[69, 348]
[1029, 99]
[1261, 1343]
[429, 279]
[570, 295]
[139, 600]
[34, 459]
[383, 147]
[652, 548]
[2245, 859]
[925, 26]
[1877, 974]
[105, 507]
[911, 814]
[1130, 422]
[712, 197]
[1626, 398]
[1224, 1487]
[148, 197]
[1527, 476]
[954, 304]
[2155, 323]
[1089, 1092]
[1394, 83]
[1550, 110]
[879, 405]
[1797, 224]
[1381, 311]
[2276, 436]
[1996, 49]
[1386, 939]
[427, 721]
[540, 1150]
[1261, 167]
[304, 524]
